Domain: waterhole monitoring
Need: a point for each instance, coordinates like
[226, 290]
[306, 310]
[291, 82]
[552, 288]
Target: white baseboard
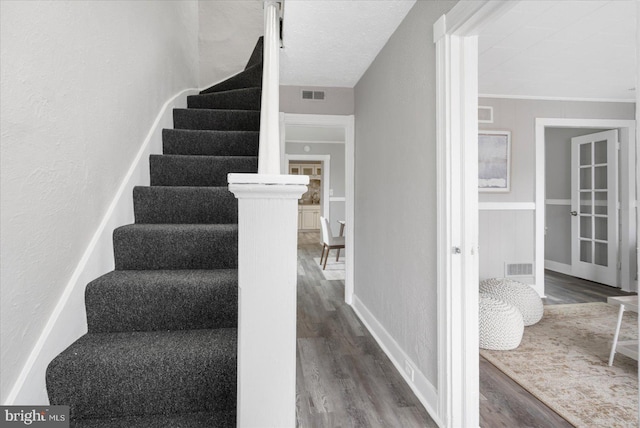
[68, 320]
[424, 390]
[557, 267]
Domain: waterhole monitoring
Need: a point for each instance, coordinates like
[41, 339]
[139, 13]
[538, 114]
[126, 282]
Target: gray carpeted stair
[250, 77]
[183, 170]
[213, 143]
[150, 372]
[161, 348]
[216, 120]
[237, 99]
[181, 420]
[134, 300]
[183, 204]
[256, 55]
[175, 246]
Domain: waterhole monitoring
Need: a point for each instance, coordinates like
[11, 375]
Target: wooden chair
[329, 242]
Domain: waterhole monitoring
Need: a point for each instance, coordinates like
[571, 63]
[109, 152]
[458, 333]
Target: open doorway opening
[322, 146]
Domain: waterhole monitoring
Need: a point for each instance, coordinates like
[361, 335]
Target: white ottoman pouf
[518, 294]
[501, 325]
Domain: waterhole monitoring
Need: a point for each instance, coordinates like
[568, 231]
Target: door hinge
[618, 145]
[619, 265]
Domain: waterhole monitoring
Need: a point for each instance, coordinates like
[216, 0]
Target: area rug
[562, 361]
[334, 270]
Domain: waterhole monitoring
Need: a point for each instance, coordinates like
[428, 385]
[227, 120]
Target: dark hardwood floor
[344, 379]
[504, 403]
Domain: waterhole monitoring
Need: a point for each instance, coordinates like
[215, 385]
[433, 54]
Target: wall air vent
[313, 95]
[518, 269]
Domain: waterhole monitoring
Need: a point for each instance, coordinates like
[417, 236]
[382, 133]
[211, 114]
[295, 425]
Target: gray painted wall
[395, 194]
[518, 116]
[337, 100]
[336, 151]
[557, 245]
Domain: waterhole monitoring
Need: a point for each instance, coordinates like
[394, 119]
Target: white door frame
[455, 36]
[626, 191]
[457, 120]
[346, 122]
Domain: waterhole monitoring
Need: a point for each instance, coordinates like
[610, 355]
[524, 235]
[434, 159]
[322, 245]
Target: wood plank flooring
[344, 379]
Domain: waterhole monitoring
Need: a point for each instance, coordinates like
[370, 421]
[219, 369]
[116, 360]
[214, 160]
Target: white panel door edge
[594, 207]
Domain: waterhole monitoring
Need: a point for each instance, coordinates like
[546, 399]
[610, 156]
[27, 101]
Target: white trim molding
[425, 391]
[543, 98]
[506, 206]
[457, 208]
[557, 201]
[558, 267]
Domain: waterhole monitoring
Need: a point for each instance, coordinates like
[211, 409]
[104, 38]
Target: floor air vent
[518, 269]
[313, 95]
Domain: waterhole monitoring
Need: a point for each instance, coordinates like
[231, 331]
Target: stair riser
[173, 205]
[197, 170]
[211, 143]
[136, 249]
[114, 305]
[245, 100]
[218, 120]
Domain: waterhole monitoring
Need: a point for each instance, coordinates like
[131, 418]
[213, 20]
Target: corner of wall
[425, 391]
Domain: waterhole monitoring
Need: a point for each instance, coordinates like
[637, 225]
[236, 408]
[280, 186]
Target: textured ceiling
[332, 43]
[561, 49]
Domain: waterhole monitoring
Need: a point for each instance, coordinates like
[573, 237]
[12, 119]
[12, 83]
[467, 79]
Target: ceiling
[561, 49]
[332, 43]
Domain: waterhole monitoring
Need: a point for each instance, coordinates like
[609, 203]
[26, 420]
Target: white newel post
[267, 274]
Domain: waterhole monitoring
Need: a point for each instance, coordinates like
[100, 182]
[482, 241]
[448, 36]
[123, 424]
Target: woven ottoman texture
[516, 293]
[501, 325]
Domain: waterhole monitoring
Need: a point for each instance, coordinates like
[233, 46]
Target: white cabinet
[308, 217]
[311, 170]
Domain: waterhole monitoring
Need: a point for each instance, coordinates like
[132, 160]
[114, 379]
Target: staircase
[161, 346]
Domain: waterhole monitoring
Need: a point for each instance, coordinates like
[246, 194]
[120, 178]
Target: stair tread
[162, 300]
[180, 420]
[136, 373]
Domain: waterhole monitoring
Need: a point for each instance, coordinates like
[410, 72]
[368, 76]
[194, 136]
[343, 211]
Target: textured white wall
[518, 116]
[229, 30]
[82, 83]
[395, 194]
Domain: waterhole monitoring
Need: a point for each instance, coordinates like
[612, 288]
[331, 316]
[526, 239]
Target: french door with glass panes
[594, 207]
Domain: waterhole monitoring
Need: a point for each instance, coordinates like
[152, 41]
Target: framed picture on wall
[494, 161]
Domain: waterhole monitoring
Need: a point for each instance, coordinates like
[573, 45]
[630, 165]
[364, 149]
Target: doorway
[578, 224]
[303, 137]
[455, 36]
